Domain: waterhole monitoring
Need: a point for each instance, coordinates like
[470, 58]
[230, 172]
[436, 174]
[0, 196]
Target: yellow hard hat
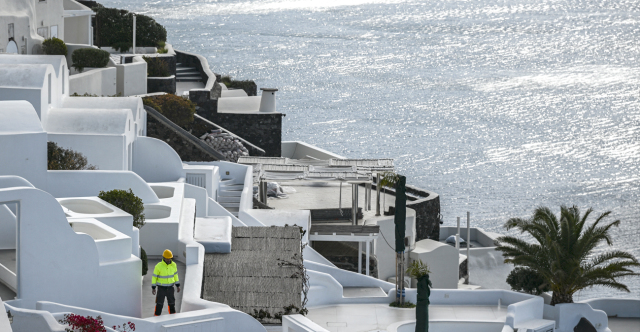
[167, 254]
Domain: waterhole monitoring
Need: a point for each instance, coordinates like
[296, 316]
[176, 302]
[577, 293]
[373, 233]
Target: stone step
[189, 79]
[363, 292]
[232, 186]
[187, 73]
[230, 193]
[229, 199]
[183, 68]
[227, 205]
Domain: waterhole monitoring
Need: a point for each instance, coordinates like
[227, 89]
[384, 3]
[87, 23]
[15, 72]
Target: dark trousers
[171, 300]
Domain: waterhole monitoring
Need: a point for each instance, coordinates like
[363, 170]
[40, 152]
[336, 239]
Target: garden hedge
[54, 46]
[115, 29]
[89, 57]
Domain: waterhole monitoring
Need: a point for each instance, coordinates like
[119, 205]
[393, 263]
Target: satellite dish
[12, 47]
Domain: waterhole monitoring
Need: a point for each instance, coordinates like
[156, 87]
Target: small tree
[420, 271]
[526, 280]
[54, 46]
[65, 159]
[127, 202]
[563, 251]
[89, 57]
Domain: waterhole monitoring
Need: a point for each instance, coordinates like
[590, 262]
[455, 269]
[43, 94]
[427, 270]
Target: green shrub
[89, 57]
[59, 158]
[127, 202]
[249, 87]
[156, 67]
[122, 46]
[145, 261]
[418, 269]
[148, 101]
[115, 28]
[526, 280]
[161, 48]
[54, 46]
[176, 109]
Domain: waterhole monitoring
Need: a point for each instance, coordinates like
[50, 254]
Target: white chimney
[268, 100]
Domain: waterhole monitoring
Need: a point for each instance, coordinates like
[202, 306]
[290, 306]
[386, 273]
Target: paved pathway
[149, 300]
[371, 317]
[624, 324]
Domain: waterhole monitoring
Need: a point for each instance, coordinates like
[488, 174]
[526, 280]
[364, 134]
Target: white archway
[12, 47]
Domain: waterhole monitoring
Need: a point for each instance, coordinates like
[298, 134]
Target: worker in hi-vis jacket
[165, 275]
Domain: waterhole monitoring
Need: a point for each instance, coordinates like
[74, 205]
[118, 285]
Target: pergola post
[354, 204]
[377, 194]
[360, 257]
[368, 243]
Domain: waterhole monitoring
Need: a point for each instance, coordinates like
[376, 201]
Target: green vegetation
[177, 109]
[406, 304]
[418, 269]
[161, 48]
[145, 261]
[563, 251]
[249, 87]
[115, 29]
[156, 67]
[127, 202]
[86, 94]
[89, 57]
[54, 46]
[59, 158]
[528, 281]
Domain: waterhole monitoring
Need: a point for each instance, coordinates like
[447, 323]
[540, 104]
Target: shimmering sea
[499, 106]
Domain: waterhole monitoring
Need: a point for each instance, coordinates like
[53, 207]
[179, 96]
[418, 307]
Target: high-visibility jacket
[165, 275]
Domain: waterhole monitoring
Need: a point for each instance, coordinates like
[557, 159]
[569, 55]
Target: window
[11, 31]
[54, 31]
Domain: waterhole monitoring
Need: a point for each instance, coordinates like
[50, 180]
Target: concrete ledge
[214, 233]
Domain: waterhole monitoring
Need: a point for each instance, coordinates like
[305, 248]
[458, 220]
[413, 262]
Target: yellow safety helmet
[167, 254]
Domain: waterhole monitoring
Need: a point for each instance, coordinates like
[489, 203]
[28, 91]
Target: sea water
[499, 106]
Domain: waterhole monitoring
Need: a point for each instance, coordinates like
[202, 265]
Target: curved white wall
[155, 161]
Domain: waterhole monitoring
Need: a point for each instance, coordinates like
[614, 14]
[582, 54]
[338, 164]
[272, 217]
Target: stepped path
[229, 196]
[187, 78]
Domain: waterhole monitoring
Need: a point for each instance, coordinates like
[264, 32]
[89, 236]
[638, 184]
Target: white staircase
[229, 195]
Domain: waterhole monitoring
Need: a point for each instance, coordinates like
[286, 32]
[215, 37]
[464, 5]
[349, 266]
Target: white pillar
[359, 257]
[468, 244]
[268, 100]
[458, 235]
[134, 34]
[367, 263]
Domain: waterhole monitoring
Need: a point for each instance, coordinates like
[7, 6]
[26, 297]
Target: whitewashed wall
[99, 81]
[43, 223]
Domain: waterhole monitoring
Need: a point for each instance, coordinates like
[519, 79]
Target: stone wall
[161, 84]
[427, 206]
[200, 127]
[261, 129]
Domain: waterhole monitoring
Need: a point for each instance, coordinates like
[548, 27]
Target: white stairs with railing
[229, 195]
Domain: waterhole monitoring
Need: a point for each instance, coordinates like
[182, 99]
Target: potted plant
[419, 270]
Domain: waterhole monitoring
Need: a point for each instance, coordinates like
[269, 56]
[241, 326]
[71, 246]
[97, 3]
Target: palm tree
[563, 254]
